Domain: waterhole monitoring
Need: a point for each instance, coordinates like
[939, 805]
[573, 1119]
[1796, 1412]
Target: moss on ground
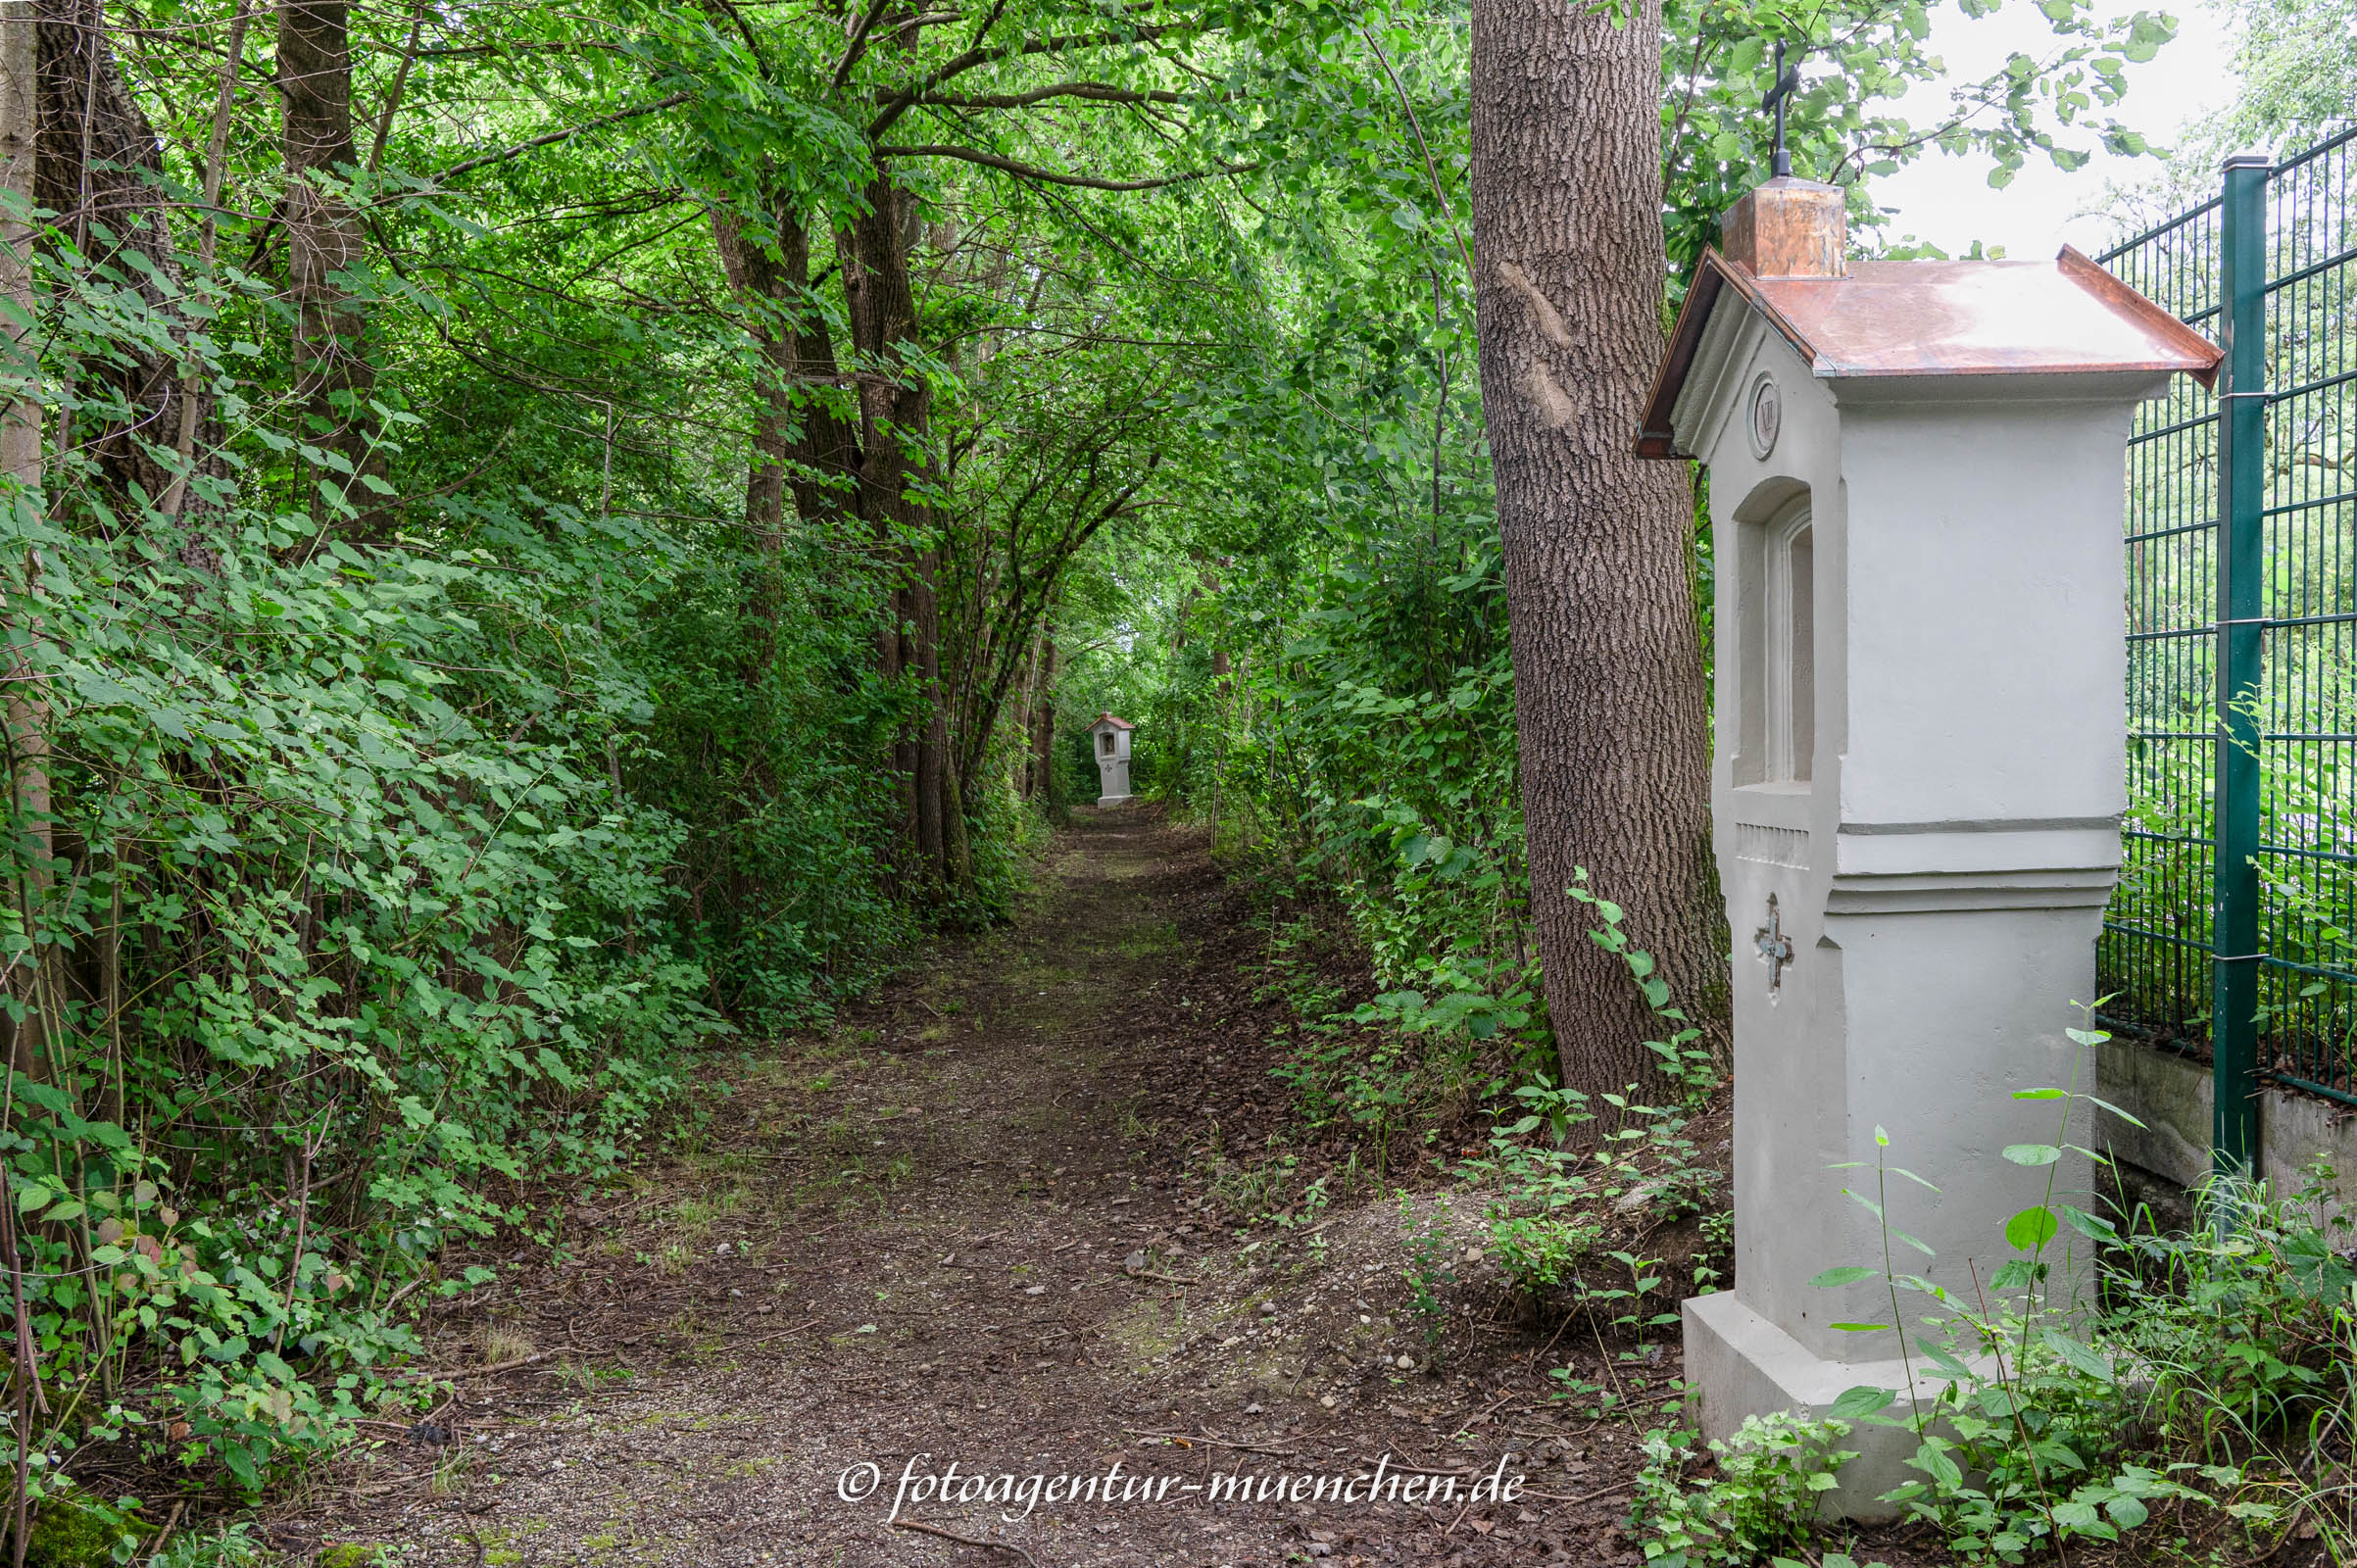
[67, 1533]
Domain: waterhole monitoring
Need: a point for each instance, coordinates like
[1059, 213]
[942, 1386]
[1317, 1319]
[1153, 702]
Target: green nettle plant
[2209, 1370]
[1763, 1496]
[1543, 1216]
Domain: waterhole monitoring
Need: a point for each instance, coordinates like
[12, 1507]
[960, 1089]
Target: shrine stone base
[1740, 1364]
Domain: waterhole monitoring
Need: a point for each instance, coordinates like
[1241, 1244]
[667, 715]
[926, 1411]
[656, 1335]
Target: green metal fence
[2234, 928]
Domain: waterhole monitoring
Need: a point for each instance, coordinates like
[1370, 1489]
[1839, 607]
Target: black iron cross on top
[1787, 82]
[1774, 946]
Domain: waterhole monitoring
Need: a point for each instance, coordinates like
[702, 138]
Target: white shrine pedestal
[1916, 488]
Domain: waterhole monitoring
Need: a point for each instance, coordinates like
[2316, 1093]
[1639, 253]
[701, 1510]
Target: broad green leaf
[2031, 1229]
[1859, 1402]
[2077, 1354]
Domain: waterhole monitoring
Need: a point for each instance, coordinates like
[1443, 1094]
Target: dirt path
[980, 1222]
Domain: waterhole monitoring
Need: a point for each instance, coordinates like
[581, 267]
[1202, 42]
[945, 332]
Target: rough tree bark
[797, 351]
[895, 417]
[97, 168]
[31, 979]
[333, 373]
[1609, 688]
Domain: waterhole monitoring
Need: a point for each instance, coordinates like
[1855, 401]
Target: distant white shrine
[1110, 738]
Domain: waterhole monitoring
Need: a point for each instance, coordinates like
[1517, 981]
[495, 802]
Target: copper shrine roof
[1938, 318]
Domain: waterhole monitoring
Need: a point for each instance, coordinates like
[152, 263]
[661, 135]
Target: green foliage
[384, 834]
[1545, 1213]
[235, 1546]
[1685, 1061]
[1763, 1498]
[2209, 1373]
[1543, 1218]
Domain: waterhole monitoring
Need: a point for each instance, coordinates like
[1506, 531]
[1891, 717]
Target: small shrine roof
[1117, 723]
[1938, 318]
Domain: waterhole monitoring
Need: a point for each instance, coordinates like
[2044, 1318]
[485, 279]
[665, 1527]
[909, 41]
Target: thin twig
[496, 1366]
[294, 1270]
[1587, 1496]
[1191, 1437]
[171, 1521]
[1409, 1467]
[1431, 172]
[965, 1541]
[782, 1333]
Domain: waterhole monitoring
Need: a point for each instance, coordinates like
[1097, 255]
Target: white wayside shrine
[1109, 739]
[1916, 493]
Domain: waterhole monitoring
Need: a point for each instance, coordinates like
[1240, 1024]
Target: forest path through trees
[976, 1220]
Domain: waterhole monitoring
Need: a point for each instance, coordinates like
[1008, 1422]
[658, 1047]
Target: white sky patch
[1949, 201]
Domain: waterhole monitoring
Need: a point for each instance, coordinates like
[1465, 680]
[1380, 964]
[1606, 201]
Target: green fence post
[2241, 605]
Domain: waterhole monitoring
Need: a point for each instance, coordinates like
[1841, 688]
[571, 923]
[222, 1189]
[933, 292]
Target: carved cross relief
[1775, 948]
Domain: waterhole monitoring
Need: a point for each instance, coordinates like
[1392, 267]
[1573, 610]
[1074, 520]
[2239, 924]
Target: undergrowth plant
[2206, 1376]
[1553, 1171]
[1429, 1269]
[1761, 1497]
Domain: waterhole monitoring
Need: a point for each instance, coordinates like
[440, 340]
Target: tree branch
[554, 136]
[959, 65]
[1431, 172]
[1095, 91]
[857, 45]
[1049, 177]
[751, 43]
[401, 81]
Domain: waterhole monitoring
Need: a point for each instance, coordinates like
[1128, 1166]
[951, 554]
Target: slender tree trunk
[333, 377]
[1043, 724]
[192, 384]
[26, 708]
[1018, 769]
[1609, 690]
[19, 140]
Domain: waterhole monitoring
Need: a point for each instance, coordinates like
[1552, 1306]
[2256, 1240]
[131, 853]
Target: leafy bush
[1544, 1218]
[359, 871]
[1769, 1479]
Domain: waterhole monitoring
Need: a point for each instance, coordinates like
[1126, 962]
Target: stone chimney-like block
[1789, 229]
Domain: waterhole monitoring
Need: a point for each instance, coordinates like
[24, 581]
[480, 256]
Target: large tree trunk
[794, 431]
[1609, 688]
[333, 377]
[896, 412]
